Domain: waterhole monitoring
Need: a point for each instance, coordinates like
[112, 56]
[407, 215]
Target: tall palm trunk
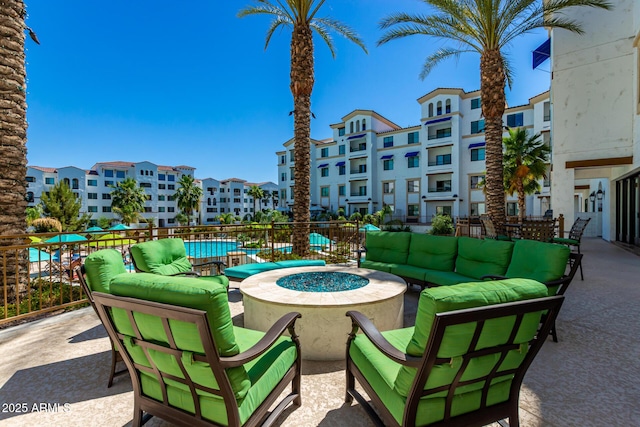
[492, 82]
[301, 87]
[521, 203]
[13, 134]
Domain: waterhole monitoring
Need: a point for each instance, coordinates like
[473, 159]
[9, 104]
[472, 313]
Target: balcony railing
[439, 163]
[439, 190]
[440, 135]
[361, 147]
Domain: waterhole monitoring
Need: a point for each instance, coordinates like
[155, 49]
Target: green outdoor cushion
[388, 247]
[477, 258]
[222, 280]
[447, 278]
[164, 256]
[565, 241]
[408, 271]
[433, 252]
[264, 373]
[376, 265]
[101, 266]
[538, 261]
[184, 292]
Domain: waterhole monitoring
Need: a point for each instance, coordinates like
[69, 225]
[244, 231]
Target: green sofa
[429, 260]
[177, 335]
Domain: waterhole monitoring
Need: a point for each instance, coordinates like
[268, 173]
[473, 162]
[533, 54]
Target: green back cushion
[101, 266]
[164, 256]
[433, 252]
[387, 246]
[477, 258]
[458, 337]
[538, 260]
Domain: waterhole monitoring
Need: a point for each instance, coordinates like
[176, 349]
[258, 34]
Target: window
[145, 184]
[515, 120]
[283, 194]
[324, 172]
[387, 165]
[141, 172]
[413, 186]
[162, 186]
[171, 198]
[387, 141]
[447, 106]
[222, 190]
[362, 168]
[475, 103]
[171, 187]
[171, 177]
[443, 159]
[149, 197]
[342, 170]
[476, 181]
[92, 208]
[30, 197]
[161, 198]
[477, 154]
[364, 124]
[341, 149]
[477, 209]
[75, 184]
[162, 209]
[148, 209]
[341, 131]
[50, 181]
[171, 209]
[120, 174]
[388, 187]
[357, 125]
[362, 190]
[283, 159]
[413, 210]
[92, 183]
[477, 126]
[443, 210]
[546, 108]
[324, 152]
[106, 209]
[439, 108]
[171, 221]
[413, 162]
[31, 179]
[108, 183]
[236, 200]
[292, 156]
[443, 133]
[106, 196]
[223, 200]
[442, 186]
[414, 137]
[324, 192]
[162, 177]
[67, 182]
[108, 173]
[92, 196]
[431, 109]
[283, 176]
[512, 209]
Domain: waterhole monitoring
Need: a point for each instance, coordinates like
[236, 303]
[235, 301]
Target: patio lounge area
[54, 371]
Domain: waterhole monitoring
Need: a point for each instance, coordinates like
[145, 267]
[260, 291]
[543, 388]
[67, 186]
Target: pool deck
[590, 378]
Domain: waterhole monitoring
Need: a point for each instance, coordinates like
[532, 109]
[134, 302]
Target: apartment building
[94, 187]
[433, 167]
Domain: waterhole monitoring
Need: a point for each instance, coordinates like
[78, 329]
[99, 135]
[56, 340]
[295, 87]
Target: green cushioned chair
[189, 364]
[461, 364]
[95, 275]
[168, 257]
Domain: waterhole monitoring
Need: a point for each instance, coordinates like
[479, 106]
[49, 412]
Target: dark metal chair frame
[145, 407]
[576, 232]
[541, 230]
[424, 365]
[115, 355]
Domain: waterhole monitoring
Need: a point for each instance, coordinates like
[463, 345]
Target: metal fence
[37, 270]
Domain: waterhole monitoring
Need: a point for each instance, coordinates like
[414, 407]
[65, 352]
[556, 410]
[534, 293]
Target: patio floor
[590, 378]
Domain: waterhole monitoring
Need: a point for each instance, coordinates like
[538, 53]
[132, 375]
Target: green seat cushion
[376, 265]
[101, 266]
[164, 256]
[223, 280]
[565, 241]
[263, 373]
[408, 271]
[477, 258]
[387, 246]
[433, 252]
[447, 278]
[538, 260]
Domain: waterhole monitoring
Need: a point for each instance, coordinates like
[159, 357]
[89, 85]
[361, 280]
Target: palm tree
[301, 16]
[486, 27]
[525, 163]
[127, 200]
[258, 194]
[188, 196]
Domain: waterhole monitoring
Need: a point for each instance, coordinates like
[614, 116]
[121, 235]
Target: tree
[301, 16]
[127, 200]
[188, 195]
[33, 213]
[525, 163]
[486, 27]
[258, 194]
[64, 205]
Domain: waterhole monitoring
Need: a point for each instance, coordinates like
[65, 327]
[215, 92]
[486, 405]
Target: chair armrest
[218, 263]
[359, 320]
[277, 329]
[186, 273]
[359, 252]
[493, 277]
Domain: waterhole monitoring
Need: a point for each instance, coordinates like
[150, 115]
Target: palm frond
[553, 6]
[277, 22]
[437, 57]
[343, 29]
[508, 70]
[323, 32]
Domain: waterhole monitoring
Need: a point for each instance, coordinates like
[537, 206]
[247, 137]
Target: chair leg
[581, 275]
[114, 355]
[554, 335]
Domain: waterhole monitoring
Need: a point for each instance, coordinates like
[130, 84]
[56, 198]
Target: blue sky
[189, 83]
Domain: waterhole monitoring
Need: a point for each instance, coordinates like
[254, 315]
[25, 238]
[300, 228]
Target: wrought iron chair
[490, 229]
[575, 234]
[541, 230]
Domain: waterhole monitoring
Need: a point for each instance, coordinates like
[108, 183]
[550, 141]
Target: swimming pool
[206, 249]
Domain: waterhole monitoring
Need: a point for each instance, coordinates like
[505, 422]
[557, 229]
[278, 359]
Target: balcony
[440, 190]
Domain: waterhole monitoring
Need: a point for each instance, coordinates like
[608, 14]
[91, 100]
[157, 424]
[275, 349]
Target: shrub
[442, 225]
[47, 225]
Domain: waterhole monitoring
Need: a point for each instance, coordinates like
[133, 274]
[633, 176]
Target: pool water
[322, 282]
[206, 249]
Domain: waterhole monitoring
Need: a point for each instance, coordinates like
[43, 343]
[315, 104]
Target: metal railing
[37, 276]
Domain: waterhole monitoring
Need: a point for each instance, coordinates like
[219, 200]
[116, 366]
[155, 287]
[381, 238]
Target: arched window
[447, 106]
[66, 181]
[351, 127]
[439, 108]
[364, 124]
[151, 173]
[431, 109]
[209, 201]
[357, 125]
[75, 184]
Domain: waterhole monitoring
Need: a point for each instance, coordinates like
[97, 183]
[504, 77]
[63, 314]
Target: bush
[47, 225]
[442, 225]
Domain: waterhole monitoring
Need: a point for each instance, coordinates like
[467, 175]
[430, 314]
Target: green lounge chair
[461, 364]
